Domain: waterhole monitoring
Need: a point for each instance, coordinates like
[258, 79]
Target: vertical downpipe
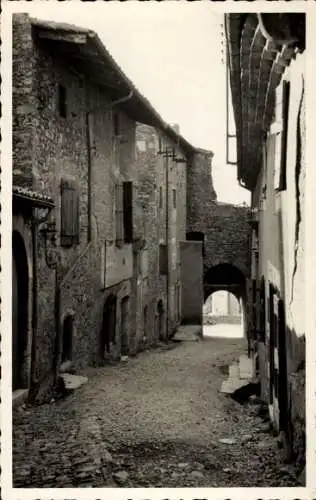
[167, 244]
[34, 301]
[57, 324]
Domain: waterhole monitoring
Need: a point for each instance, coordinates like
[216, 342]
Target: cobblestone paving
[153, 421]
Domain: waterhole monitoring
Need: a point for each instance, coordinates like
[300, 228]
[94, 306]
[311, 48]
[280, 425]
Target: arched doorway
[124, 326]
[160, 320]
[108, 330]
[67, 338]
[20, 283]
[225, 297]
[222, 315]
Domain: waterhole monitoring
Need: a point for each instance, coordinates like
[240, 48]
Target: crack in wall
[297, 187]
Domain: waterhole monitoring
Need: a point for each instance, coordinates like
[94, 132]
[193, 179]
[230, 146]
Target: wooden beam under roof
[60, 36]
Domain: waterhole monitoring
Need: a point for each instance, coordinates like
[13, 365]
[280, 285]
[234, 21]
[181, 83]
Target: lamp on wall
[49, 232]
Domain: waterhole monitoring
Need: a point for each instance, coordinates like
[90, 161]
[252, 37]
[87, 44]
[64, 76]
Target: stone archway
[68, 334]
[20, 302]
[227, 277]
[223, 315]
[125, 326]
[224, 276]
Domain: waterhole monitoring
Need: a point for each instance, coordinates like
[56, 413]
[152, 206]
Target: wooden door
[15, 326]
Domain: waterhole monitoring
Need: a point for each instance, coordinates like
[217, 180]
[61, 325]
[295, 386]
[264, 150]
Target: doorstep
[19, 396]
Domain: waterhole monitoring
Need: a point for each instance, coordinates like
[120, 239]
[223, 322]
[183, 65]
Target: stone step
[246, 367]
[73, 381]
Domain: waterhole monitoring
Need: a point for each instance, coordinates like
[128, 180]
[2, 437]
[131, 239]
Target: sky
[172, 53]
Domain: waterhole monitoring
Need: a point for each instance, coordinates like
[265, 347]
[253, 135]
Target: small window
[128, 211]
[160, 197]
[159, 144]
[62, 101]
[69, 234]
[174, 198]
[116, 124]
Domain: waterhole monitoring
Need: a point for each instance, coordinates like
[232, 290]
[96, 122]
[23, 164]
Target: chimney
[176, 128]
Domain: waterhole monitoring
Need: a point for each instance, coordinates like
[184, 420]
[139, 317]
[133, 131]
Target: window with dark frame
[69, 234]
[163, 259]
[62, 101]
[285, 113]
[281, 180]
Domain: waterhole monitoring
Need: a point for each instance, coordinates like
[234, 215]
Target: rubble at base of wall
[46, 391]
[297, 395]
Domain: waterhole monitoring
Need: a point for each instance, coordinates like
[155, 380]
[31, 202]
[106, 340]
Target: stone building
[99, 207]
[269, 106]
[224, 231]
[162, 159]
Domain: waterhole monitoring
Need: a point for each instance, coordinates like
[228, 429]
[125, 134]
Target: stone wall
[23, 100]
[151, 168]
[281, 262]
[224, 226]
[48, 147]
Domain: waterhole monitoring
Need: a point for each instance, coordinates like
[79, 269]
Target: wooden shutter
[119, 214]
[69, 213]
[282, 108]
[163, 261]
[128, 211]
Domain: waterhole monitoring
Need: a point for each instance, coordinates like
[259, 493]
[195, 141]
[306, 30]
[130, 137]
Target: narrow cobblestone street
[156, 420]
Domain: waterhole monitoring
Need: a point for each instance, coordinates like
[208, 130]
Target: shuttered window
[119, 214]
[128, 211]
[163, 260]
[69, 234]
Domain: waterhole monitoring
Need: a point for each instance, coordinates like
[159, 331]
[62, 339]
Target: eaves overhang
[259, 47]
[85, 52]
[31, 198]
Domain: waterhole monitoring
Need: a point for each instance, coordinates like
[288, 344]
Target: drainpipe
[57, 325]
[89, 140]
[34, 300]
[35, 222]
[167, 245]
